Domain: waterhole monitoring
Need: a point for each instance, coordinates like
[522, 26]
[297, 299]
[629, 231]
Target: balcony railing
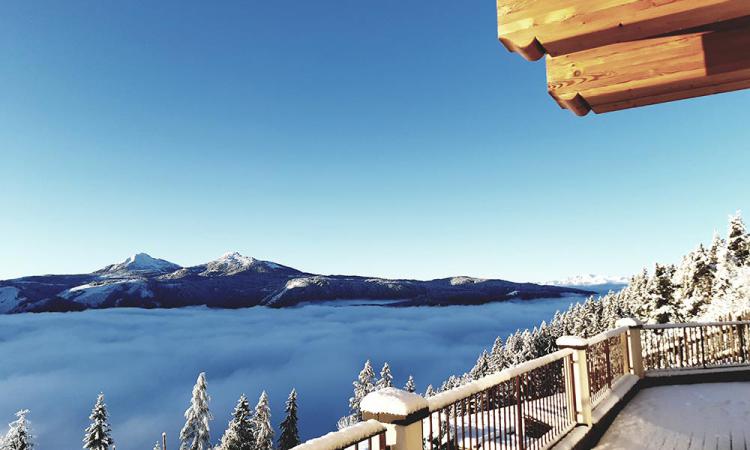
[695, 345]
[523, 407]
[536, 404]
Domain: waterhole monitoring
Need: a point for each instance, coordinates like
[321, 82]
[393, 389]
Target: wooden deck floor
[698, 416]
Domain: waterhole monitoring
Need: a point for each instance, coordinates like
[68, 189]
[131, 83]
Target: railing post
[580, 377]
[401, 412]
[634, 348]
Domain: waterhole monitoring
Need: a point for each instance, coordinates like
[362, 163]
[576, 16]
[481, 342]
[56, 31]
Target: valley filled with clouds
[146, 361]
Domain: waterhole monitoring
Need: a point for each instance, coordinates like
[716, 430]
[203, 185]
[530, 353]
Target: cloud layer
[146, 361]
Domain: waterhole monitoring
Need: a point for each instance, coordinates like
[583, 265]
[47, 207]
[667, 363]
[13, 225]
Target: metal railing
[695, 345]
[605, 356]
[525, 407]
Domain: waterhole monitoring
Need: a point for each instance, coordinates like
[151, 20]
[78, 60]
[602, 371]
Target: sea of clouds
[146, 361]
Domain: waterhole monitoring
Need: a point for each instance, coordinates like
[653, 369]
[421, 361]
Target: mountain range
[236, 281]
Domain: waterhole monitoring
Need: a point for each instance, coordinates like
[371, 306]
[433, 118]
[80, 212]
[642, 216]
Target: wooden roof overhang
[608, 55]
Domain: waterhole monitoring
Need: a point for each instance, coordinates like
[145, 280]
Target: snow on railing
[368, 435]
[524, 407]
[695, 345]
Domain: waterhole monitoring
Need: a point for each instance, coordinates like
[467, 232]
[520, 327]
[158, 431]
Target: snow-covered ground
[146, 361]
[681, 417]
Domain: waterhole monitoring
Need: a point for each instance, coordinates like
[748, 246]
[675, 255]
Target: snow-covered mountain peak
[141, 262]
[231, 263]
[589, 279]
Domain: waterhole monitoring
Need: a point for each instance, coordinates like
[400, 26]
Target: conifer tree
[289, 436]
[262, 424]
[364, 385]
[410, 386]
[386, 379]
[482, 367]
[663, 306]
[195, 434]
[98, 435]
[497, 356]
[157, 446]
[19, 435]
[429, 392]
[738, 242]
[239, 433]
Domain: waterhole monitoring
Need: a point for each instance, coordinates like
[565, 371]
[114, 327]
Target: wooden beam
[649, 71]
[557, 27]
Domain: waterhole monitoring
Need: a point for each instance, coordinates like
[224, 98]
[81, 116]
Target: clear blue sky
[395, 138]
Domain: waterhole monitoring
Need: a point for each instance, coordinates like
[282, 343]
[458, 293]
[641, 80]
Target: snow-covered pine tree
[386, 378]
[410, 386]
[195, 434]
[239, 433]
[429, 392]
[663, 305]
[289, 436]
[157, 446]
[262, 424]
[738, 241]
[364, 385]
[98, 435]
[19, 435]
[482, 367]
[497, 355]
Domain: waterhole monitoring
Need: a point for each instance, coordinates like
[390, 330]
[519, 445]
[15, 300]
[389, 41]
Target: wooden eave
[654, 70]
[557, 27]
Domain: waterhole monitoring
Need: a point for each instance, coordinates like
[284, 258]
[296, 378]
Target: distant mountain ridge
[235, 281]
[597, 283]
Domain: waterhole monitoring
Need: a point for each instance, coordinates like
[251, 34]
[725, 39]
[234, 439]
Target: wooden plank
[557, 27]
[649, 71]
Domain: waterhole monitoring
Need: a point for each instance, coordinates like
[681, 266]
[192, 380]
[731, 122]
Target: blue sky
[394, 138]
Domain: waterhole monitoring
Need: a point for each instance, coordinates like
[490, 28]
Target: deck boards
[695, 417]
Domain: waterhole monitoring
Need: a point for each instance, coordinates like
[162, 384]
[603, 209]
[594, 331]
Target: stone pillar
[635, 349]
[401, 412]
[580, 377]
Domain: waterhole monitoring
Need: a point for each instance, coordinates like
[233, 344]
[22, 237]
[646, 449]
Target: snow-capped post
[634, 349]
[580, 377]
[401, 412]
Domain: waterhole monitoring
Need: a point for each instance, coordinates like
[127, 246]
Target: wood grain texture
[557, 27]
[648, 71]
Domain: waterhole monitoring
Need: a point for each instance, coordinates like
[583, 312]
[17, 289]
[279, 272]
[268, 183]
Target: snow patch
[94, 294]
[8, 299]
[393, 401]
[344, 438]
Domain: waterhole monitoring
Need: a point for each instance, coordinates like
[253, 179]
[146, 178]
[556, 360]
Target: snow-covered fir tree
[497, 356]
[157, 446]
[98, 435]
[738, 241]
[482, 367]
[239, 433]
[386, 379]
[195, 434]
[289, 436]
[19, 435]
[410, 386]
[663, 305]
[364, 384]
[262, 424]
